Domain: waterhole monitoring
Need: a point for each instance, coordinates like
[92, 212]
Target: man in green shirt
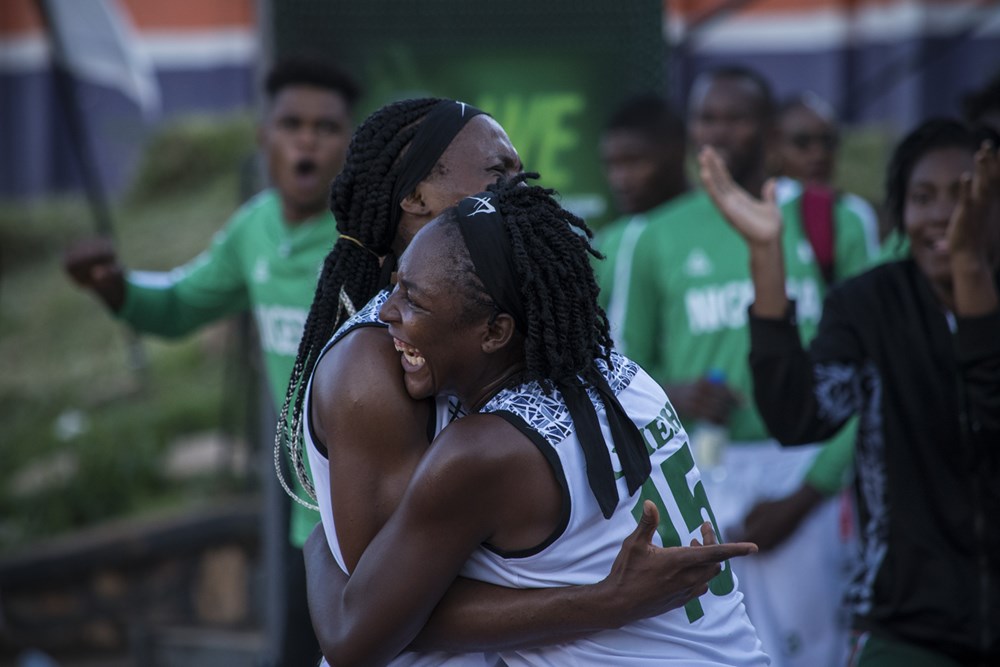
[266, 259]
[642, 152]
[684, 319]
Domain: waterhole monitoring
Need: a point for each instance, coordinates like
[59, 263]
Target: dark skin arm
[482, 481]
[476, 616]
[370, 474]
[974, 237]
[374, 432]
[703, 400]
[759, 223]
[93, 264]
[770, 522]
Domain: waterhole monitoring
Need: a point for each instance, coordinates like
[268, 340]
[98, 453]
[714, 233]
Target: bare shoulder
[481, 441]
[359, 382]
[485, 459]
[363, 354]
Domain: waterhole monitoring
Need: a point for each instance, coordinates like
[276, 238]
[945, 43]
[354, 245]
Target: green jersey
[689, 288]
[256, 262]
[617, 242]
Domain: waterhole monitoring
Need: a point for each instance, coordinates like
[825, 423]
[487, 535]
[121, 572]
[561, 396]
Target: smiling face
[432, 319]
[305, 137]
[931, 196]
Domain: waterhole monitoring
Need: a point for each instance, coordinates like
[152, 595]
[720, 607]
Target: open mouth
[306, 167]
[411, 354]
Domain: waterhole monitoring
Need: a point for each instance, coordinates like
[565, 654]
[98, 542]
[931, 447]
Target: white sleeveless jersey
[320, 468]
[711, 630]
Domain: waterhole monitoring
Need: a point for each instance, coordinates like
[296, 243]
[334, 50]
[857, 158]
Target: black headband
[438, 129]
[485, 236]
[492, 257]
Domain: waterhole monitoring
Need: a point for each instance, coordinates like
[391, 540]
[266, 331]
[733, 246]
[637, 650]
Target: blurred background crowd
[140, 519]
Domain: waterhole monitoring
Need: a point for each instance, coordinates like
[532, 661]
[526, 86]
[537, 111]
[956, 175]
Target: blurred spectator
[980, 108]
[806, 157]
[808, 138]
[642, 149]
[265, 259]
[685, 322]
[913, 348]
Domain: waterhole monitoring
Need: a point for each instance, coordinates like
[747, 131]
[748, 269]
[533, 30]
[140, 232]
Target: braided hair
[931, 135]
[361, 201]
[566, 328]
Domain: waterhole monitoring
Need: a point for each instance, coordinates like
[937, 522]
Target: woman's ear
[415, 203]
[499, 333]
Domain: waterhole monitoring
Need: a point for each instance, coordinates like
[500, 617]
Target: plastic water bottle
[709, 440]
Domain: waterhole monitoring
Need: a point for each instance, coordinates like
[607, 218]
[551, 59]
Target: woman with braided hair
[913, 348]
[565, 451]
[407, 162]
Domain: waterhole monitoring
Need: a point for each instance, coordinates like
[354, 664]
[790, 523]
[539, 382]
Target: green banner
[550, 71]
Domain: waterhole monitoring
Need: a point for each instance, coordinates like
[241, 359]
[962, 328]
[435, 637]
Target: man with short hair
[642, 150]
[265, 259]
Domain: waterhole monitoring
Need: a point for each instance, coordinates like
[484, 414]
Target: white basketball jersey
[711, 630]
[320, 467]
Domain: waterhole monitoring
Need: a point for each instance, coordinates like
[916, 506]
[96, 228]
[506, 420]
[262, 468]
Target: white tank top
[320, 467]
[712, 630]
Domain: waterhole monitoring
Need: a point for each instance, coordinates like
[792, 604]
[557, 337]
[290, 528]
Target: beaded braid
[567, 329]
[361, 201]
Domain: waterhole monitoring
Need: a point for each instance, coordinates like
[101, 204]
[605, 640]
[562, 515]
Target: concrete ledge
[117, 588]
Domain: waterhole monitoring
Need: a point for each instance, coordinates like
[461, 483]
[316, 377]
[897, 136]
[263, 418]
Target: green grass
[864, 153]
[62, 354]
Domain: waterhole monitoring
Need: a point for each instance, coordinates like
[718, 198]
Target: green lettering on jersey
[661, 430]
[691, 502]
[668, 535]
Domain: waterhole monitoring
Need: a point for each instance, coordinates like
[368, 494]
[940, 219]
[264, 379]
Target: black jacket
[927, 459]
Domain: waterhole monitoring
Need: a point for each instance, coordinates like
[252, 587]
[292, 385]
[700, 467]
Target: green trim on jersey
[690, 288]
[255, 262]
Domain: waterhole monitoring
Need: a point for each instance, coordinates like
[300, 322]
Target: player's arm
[786, 388]
[475, 616]
[973, 241]
[644, 581]
[374, 432]
[459, 492]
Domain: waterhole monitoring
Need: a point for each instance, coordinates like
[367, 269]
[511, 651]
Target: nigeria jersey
[366, 317]
[255, 262]
[710, 630]
[689, 290]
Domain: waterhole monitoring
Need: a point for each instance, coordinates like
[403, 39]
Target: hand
[651, 580]
[770, 522]
[758, 222]
[969, 231]
[703, 400]
[93, 264]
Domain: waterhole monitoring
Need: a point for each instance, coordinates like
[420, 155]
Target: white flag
[99, 44]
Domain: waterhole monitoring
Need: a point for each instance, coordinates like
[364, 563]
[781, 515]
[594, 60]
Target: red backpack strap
[817, 222]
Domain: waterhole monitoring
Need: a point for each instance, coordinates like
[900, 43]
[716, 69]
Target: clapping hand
[974, 227]
[757, 221]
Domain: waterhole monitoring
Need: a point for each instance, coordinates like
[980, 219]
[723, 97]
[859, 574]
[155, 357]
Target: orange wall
[20, 17]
